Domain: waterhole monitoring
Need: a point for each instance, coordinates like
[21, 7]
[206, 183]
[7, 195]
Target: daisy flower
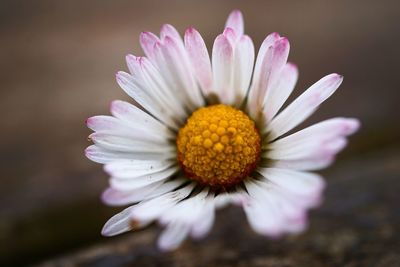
[212, 132]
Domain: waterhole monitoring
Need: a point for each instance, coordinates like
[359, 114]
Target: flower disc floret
[219, 146]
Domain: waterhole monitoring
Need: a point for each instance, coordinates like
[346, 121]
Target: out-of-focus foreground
[58, 60]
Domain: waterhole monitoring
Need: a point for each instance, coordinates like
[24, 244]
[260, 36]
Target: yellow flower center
[219, 146]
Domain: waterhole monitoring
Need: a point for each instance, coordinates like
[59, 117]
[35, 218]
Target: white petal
[222, 200]
[305, 164]
[172, 236]
[151, 104]
[311, 149]
[129, 144]
[134, 115]
[153, 208]
[266, 44]
[177, 70]
[142, 181]
[120, 223]
[170, 31]
[272, 212]
[281, 91]
[222, 66]
[199, 58]
[104, 156]
[235, 21]
[204, 224]
[267, 74]
[197, 212]
[322, 131]
[114, 197]
[136, 168]
[296, 182]
[186, 211]
[262, 217]
[149, 80]
[304, 105]
[114, 126]
[148, 41]
[243, 68]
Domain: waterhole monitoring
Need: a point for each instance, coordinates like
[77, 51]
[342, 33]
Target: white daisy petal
[235, 22]
[135, 168]
[153, 106]
[114, 126]
[304, 105]
[236, 198]
[295, 182]
[104, 156]
[266, 44]
[186, 211]
[153, 208]
[325, 130]
[177, 64]
[317, 162]
[121, 223]
[126, 144]
[312, 149]
[151, 82]
[243, 68]
[172, 236]
[125, 183]
[204, 224]
[115, 197]
[273, 212]
[197, 212]
[268, 73]
[170, 31]
[148, 41]
[199, 58]
[281, 91]
[262, 216]
[133, 115]
[222, 66]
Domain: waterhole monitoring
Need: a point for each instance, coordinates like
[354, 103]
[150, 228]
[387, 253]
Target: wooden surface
[58, 60]
[358, 225]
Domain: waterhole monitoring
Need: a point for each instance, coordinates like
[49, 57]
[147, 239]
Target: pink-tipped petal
[270, 69]
[199, 59]
[243, 68]
[178, 69]
[148, 41]
[281, 91]
[304, 105]
[236, 22]
[266, 44]
[135, 89]
[313, 147]
[230, 34]
[170, 31]
[222, 62]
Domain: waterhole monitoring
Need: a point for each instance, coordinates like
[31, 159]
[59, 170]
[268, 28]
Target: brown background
[57, 66]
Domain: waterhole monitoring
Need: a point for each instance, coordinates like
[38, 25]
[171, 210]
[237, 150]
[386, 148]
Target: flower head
[213, 132]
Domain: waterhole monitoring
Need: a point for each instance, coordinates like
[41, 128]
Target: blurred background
[57, 65]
